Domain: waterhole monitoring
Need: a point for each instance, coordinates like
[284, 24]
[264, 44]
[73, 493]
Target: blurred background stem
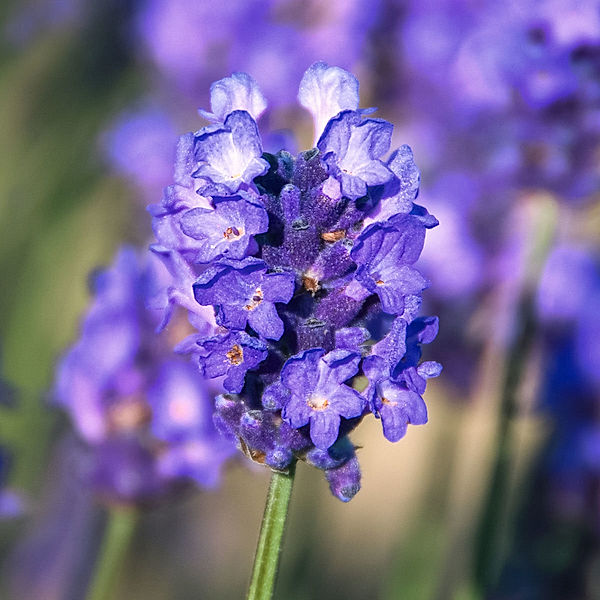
[118, 534]
[268, 550]
[495, 523]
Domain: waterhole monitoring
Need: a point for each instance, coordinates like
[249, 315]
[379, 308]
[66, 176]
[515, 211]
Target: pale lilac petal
[299, 372]
[325, 91]
[231, 155]
[237, 92]
[324, 428]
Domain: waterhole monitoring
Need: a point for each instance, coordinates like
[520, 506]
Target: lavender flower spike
[130, 400]
[302, 259]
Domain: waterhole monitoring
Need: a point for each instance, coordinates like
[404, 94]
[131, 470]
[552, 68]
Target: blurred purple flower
[119, 380]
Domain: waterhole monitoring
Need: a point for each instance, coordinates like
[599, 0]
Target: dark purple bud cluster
[308, 263]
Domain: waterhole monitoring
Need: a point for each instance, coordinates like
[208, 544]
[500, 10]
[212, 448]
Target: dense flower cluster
[308, 263]
[146, 417]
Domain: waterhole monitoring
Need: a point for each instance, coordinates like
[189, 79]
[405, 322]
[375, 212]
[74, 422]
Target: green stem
[117, 537]
[268, 550]
[494, 526]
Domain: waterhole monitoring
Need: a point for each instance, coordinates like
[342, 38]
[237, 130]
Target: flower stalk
[268, 550]
[494, 526]
[118, 534]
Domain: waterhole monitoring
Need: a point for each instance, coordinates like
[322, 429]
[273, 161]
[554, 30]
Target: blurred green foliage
[61, 216]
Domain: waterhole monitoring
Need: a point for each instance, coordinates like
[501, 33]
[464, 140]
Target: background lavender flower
[140, 147]
[119, 380]
[271, 40]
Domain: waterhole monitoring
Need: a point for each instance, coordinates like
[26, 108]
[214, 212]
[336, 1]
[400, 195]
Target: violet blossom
[145, 417]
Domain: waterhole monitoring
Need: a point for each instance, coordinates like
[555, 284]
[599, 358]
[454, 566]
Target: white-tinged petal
[326, 91]
[236, 92]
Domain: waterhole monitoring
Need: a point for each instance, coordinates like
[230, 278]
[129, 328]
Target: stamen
[256, 299]
[232, 232]
[389, 402]
[333, 236]
[318, 402]
[236, 355]
[311, 284]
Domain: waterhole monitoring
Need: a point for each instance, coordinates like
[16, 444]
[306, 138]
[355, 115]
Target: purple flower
[237, 92]
[272, 40]
[344, 481]
[179, 292]
[232, 355]
[177, 199]
[231, 156]
[395, 383]
[325, 92]
[392, 400]
[196, 458]
[182, 416]
[384, 254]
[587, 346]
[452, 256]
[245, 293]
[318, 395]
[12, 504]
[568, 279]
[140, 146]
[120, 384]
[123, 470]
[352, 148]
[227, 230]
[180, 402]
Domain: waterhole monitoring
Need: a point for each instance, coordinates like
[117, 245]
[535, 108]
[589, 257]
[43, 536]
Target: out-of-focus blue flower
[193, 43]
[298, 258]
[567, 283]
[139, 146]
[527, 65]
[120, 380]
[588, 336]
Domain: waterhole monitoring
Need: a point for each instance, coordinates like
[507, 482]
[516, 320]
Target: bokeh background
[498, 496]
